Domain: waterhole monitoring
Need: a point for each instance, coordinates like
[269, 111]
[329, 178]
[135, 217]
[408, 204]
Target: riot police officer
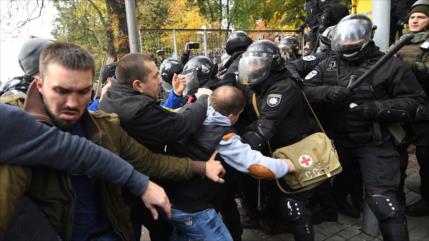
[320, 15]
[283, 120]
[300, 67]
[28, 58]
[416, 55]
[289, 48]
[199, 72]
[235, 46]
[358, 119]
[167, 69]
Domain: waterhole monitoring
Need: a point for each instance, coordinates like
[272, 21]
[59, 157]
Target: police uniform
[283, 120]
[364, 137]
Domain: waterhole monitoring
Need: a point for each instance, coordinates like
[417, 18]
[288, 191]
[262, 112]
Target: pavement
[349, 228]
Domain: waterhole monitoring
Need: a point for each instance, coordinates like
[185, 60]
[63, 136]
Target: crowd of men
[74, 166]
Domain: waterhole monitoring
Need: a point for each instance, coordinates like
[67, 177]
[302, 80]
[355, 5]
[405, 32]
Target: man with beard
[59, 97]
[40, 145]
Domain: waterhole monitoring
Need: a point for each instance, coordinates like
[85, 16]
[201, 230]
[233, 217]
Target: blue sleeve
[173, 101]
[94, 105]
[240, 156]
[24, 141]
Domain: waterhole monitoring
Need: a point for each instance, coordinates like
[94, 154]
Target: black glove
[338, 93]
[254, 139]
[422, 113]
[367, 110]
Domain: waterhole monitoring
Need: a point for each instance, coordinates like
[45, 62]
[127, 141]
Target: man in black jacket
[358, 119]
[136, 87]
[134, 97]
[283, 120]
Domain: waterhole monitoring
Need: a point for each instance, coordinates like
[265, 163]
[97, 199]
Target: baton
[381, 61]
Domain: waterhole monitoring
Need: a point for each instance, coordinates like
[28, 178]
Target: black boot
[303, 229]
[394, 229]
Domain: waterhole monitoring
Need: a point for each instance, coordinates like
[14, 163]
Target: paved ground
[348, 228]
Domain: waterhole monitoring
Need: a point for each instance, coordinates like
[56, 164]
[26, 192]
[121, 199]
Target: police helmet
[237, 41]
[198, 71]
[29, 54]
[168, 68]
[352, 34]
[288, 45]
[256, 63]
[16, 84]
[326, 37]
[288, 41]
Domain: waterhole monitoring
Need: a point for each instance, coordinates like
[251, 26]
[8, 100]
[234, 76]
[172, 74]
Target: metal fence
[212, 41]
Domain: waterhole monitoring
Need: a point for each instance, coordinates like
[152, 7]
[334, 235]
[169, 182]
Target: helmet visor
[254, 67]
[192, 83]
[351, 35]
[166, 86]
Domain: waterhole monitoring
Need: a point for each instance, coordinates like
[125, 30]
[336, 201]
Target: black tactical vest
[345, 124]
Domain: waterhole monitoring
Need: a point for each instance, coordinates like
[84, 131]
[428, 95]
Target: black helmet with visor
[352, 34]
[198, 71]
[257, 62]
[167, 69]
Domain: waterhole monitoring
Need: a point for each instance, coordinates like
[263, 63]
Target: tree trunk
[117, 8]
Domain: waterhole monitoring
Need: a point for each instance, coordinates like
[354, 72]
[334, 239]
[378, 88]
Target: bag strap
[255, 108]
[312, 112]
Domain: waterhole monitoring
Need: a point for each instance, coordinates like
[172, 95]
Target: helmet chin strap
[356, 55]
[351, 55]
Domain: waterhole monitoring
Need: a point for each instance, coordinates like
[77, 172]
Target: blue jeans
[199, 226]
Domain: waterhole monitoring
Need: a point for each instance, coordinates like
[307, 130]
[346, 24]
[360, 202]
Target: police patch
[309, 58]
[305, 161]
[311, 75]
[273, 100]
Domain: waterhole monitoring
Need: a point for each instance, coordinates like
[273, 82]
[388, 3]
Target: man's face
[66, 93]
[418, 21]
[153, 81]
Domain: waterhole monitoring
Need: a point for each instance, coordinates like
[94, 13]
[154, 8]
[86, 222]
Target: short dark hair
[131, 67]
[68, 55]
[108, 71]
[227, 100]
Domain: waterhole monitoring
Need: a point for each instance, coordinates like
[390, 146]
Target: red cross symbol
[305, 161]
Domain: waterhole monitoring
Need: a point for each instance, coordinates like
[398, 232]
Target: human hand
[214, 169]
[203, 91]
[155, 197]
[367, 110]
[338, 93]
[179, 84]
[186, 51]
[291, 166]
[104, 89]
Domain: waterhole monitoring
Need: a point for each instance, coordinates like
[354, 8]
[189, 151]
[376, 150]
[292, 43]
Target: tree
[98, 25]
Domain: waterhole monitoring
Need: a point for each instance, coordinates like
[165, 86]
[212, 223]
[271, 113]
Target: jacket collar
[34, 106]
[126, 91]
